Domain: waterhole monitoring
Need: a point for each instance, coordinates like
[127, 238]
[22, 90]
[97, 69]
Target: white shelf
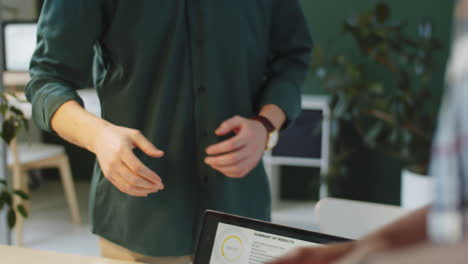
[301, 162]
[319, 102]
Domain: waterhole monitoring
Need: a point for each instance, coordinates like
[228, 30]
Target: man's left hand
[237, 156]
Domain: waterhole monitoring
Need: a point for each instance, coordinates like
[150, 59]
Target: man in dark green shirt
[186, 76]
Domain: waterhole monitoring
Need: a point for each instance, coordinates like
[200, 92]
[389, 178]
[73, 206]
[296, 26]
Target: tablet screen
[231, 239]
[240, 245]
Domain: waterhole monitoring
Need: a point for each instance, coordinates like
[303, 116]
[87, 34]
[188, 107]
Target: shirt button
[199, 43]
[201, 89]
[204, 179]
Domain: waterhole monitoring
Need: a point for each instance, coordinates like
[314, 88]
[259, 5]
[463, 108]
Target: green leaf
[16, 111]
[364, 20]
[376, 88]
[22, 211]
[3, 108]
[371, 137]
[340, 109]
[3, 182]
[6, 197]
[394, 137]
[25, 124]
[426, 30]
[407, 137]
[21, 194]
[318, 55]
[334, 129]
[321, 72]
[11, 217]
[382, 13]
[8, 130]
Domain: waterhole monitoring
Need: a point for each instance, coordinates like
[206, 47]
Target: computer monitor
[305, 144]
[19, 43]
[304, 138]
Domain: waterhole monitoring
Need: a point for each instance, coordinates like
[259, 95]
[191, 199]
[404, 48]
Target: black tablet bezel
[211, 219]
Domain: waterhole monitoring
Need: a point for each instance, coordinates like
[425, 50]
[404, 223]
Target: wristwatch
[272, 132]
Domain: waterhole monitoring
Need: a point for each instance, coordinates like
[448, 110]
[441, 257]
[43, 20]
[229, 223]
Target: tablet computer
[230, 239]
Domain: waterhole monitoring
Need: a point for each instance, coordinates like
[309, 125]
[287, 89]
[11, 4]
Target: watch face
[273, 139]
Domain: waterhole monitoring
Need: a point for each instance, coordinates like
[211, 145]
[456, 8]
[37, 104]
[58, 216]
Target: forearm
[409, 230]
[274, 114]
[76, 125]
[374, 249]
[424, 254]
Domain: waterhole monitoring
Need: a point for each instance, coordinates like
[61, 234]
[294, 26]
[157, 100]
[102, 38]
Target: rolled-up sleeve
[290, 47]
[67, 33]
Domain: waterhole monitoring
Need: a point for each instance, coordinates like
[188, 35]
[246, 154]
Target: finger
[238, 171]
[136, 180]
[300, 256]
[230, 174]
[229, 159]
[229, 125]
[140, 169]
[128, 182]
[125, 187]
[145, 145]
[362, 252]
[226, 146]
[133, 190]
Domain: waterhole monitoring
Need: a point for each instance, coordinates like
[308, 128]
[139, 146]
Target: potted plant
[13, 120]
[382, 90]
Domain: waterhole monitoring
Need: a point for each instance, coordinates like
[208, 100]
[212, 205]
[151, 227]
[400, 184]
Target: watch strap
[265, 122]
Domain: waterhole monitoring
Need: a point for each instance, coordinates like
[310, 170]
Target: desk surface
[15, 255]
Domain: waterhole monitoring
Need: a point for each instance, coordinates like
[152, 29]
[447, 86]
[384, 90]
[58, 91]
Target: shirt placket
[197, 50]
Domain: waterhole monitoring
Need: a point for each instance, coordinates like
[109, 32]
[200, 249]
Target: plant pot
[416, 190]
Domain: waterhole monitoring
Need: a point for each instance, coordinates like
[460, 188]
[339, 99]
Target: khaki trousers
[114, 251]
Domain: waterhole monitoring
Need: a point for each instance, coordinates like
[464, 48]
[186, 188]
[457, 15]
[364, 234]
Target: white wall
[22, 9]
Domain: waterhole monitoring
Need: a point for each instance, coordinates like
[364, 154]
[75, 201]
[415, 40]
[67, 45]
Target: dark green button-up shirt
[174, 69]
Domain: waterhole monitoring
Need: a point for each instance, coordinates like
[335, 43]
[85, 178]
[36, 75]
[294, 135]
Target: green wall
[373, 177]
[326, 17]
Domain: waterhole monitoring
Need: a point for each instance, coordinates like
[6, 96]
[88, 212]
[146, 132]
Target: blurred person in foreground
[438, 233]
[191, 93]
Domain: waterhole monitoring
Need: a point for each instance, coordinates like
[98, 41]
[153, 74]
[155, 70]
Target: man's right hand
[316, 255]
[113, 146]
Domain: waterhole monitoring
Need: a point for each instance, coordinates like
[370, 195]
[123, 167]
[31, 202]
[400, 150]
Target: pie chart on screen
[232, 246]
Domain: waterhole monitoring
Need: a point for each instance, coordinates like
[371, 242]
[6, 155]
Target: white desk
[15, 255]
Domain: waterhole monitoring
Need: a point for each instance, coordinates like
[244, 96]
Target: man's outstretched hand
[113, 147]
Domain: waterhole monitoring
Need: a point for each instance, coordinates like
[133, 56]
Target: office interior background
[371, 175]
